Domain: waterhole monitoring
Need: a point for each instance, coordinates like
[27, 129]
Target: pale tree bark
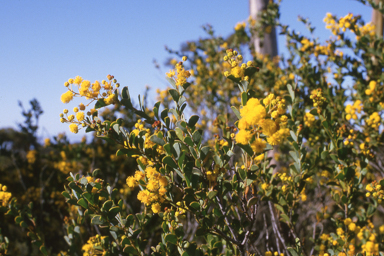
[268, 44]
[377, 19]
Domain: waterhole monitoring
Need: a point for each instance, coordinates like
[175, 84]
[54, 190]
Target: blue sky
[43, 43]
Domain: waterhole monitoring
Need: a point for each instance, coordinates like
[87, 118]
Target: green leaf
[292, 251]
[97, 220]
[282, 201]
[188, 141]
[294, 156]
[65, 194]
[234, 79]
[186, 85]
[196, 136]
[280, 208]
[18, 219]
[43, 250]
[212, 194]
[371, 210]
[130, 250]
[236, 111]
[113, 212]
[73, 186]
[252, 201]
[293, 135]
[127, 151]
[324, 155]
[249, 71]
[180, 161]
[182, 125]
[244, 84]
[175, 95]
[314, 112]
[164, 114]
[193, 152]
[246, 148]
[171, 81]
[174, 112]
[192, 121]
[169, 161]
[100, 103]
[154, 138]
[325, 124]
[107, 205]
[179, 133]
[285, 218]
[82, 203]
[291, 92]
[170, 238]
[242, 173]
[244, 98]
[125, 93]
[195, 205]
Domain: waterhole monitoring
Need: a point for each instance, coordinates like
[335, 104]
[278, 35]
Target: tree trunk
[377, 19]
[267, 45]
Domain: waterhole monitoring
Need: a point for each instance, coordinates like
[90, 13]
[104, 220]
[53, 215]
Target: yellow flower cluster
[286, 180]
[371, 89]
[139, 127]
[344, 23]
[93, 242]
[306, 44]
[324, 50]
[155, 184]
[352, 136]
[4, 195]
[240, 26]
[31, 156]
[364, 149]
[366, 30]
[375, 190]
[90, 92]
[66, 166]
[348, 22]
[180, 209]
[351, 226]
[180, 75]
[253, 122]
[368, 235]
[74, 124]
[303, 196]
[234, 60]
[352, 109]
[317, 97]
[374, 120]
[212, 175]
[309, 119]
[269, 253]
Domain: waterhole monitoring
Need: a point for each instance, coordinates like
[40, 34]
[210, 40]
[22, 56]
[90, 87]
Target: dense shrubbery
[264, 156]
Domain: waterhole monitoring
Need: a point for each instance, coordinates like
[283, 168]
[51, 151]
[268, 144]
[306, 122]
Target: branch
[226, 219]
[276, 229]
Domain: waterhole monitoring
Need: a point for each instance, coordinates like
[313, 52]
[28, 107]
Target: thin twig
[276, 229]
[226, 219]
[267, 234]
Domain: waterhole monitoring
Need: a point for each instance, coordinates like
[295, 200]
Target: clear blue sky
[43, 43]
